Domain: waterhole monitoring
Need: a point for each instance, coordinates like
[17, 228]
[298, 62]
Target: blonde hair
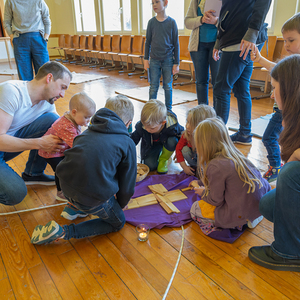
[212, 139]
[82, 102]
[195, 115]
[122, 106]
[153, 113]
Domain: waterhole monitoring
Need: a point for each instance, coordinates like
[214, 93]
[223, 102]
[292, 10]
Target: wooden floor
[116, 265]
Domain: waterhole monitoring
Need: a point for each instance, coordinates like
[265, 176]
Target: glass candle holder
[142, 231]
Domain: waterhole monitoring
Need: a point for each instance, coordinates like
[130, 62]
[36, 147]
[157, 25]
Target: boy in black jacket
[160, 132]
[97, 175]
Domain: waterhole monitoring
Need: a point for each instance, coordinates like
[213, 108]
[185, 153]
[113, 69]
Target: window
[269, 17]
[85, 15]
[116, 15]
[175, 10]
[146, 12]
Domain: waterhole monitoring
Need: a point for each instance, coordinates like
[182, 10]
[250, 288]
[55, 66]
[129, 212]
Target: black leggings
[53, 162]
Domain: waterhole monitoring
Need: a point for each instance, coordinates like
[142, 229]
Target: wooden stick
[187, 189]
[163, 204]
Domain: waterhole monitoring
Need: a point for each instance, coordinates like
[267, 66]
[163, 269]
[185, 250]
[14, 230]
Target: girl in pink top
[185, 149]
[67, 127]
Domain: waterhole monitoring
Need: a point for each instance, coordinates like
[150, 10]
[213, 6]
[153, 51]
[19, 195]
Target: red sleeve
[181, 143]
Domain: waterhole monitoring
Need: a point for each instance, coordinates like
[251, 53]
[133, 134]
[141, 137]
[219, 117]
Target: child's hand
[255, 55]
[216, 54]
[175, 69]
[146, 64]
[199, 190]
[188, 170]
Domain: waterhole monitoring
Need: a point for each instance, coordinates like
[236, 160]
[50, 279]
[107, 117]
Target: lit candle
[143, 235]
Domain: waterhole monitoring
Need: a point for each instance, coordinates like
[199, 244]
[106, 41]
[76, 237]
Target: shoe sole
[293, 268]
[72, 217]
[253, 224]
[40, 183]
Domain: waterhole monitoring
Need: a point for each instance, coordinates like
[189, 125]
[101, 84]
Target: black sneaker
[238, 138]
[265, 257]
[41, 179]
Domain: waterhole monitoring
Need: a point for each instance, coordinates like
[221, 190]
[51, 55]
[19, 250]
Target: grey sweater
[21, 16]
[229, 193]
[162, 40]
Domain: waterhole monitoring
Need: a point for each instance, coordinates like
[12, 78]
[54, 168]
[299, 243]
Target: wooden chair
[60, 47]
[90, 47]
[186, 62]
[137, 55]
[96, 49]
[106, 47]
[71, 51]
[121, 56]
[80, 51]
[67, 46]
[261, 74]
[115, 49]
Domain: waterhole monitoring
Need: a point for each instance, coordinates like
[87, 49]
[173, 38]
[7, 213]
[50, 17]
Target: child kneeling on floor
[97, 175]
[230, 187]
[186, 150]
[160, 132]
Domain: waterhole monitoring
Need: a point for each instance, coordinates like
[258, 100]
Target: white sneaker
[254, 222]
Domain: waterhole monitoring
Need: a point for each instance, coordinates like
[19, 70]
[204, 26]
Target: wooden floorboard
[116, 265]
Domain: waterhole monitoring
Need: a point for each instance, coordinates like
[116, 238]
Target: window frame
[122, 31]
[98, 29]
[140, 9]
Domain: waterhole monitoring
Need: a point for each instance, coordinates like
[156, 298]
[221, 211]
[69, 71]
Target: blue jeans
[12, 187]
[282, 207]
[164, 67]
[190, 156]
[234, 74]
[111, 219]
[152, 155]
[202, 60]
[270, 138]
[30, 48]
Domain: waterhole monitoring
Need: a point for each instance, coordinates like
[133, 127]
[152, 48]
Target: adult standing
[26, 113]
[282, 205]
[241, 26]
[28, 24]
[201, 45]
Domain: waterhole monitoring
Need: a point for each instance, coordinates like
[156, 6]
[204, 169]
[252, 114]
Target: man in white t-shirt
[26, 113]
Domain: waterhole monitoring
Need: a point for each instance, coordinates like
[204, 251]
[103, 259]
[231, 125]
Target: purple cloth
[154, 215]
[227, 235]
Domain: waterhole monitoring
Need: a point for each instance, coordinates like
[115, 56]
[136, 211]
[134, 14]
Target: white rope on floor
[175, 269]
[33, 209]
